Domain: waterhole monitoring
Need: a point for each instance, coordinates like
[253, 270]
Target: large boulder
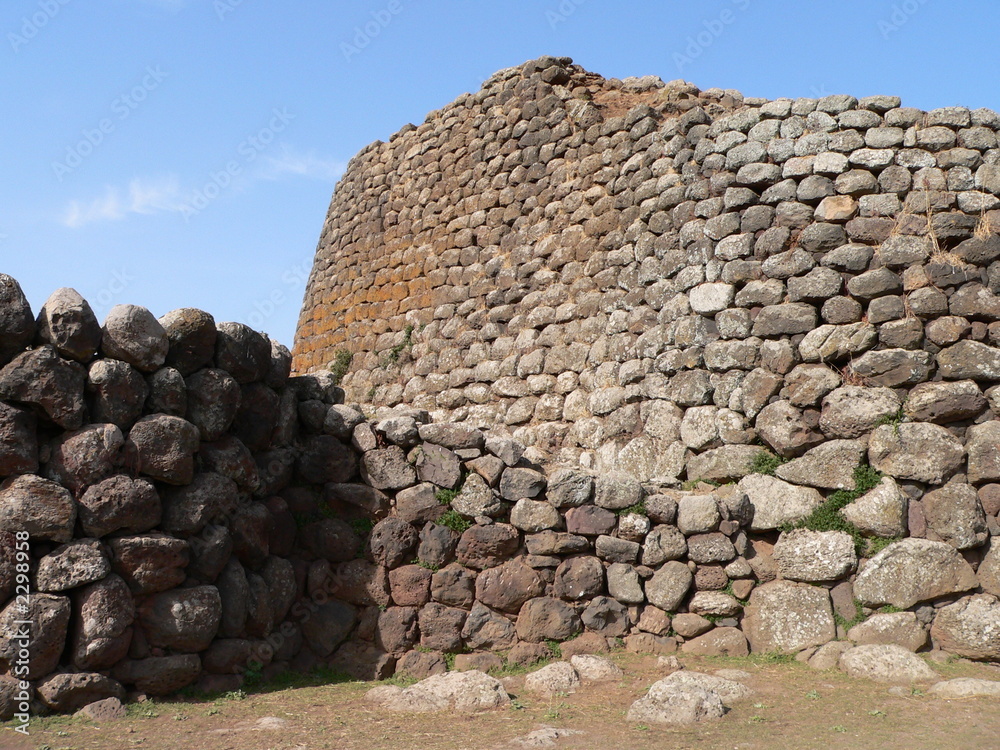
[184, 620]
[42, 508]
[545, 618]
[133, 335]
[76, 563]
[159, 675]
[150, 562]
[983, 446]
[65, 693]
[970, 627]
[917, 451]
[84, 457]
[911, 571]
[455, 691]
[788, 617]
[191, 334]
[163, 447]
[784, 428]
[670, 703]
[776, 503]
[669, 585]
[67, 322]
[43, 380]
[955, 514]
[117, 392]
[829, 465]
[508, 586]
[18, 441]
[882, 511]
[242, 352]
[40, 629]
[102, 630]
[886, 663]
[17, 324]
[900, 628]
[815, 556]
[213, 400]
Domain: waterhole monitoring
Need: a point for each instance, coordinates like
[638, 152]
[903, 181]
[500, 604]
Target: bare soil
[793, 708]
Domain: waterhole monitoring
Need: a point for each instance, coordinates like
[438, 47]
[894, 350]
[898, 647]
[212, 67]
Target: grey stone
[916, 451]
[899, 628]
[850, 411]
[815, 556]
[886, 663]
[788, 617]
[969, 627]
[67, 322]
[880, 512]
[131, 333]
[829, 465]
[776, 502]
[912, 571]
[955, 514]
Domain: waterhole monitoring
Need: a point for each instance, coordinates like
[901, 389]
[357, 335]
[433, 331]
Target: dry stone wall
[632, 364]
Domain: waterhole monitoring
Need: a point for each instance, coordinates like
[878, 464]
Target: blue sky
[175, 153]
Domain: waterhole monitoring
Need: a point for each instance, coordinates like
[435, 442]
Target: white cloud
[142, 197]
[298, 164]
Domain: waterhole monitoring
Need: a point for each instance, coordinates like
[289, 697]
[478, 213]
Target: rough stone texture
[67, 322]
[900, 628]
[17, 324]
[546, 618]
[970, 627]
[553, 679]
[955, 514]
[74, 564]
[788, 617]
[669, 585]
[776, 503]
[669, 703]
[42, 508]
[455, 691]
[163, 448]
[912, 571]
[961, 688]
[191, 334]
[881, 511]
[886, 663]
[131, 334]
[49, 384]
[815, 556]
[43, 624]
[829, 465]
[915, 451]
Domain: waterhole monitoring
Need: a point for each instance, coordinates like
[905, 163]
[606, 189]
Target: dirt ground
[793, 708]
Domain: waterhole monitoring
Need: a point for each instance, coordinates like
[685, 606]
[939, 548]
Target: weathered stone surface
[568, 488]
[70, 692]
[508, 586]
[606, 616]
[970, 627]
[669, 586]
[835, 343]
[326, 459]
[969, 360]
[955, 514]
[102, 631]
[776, 503]
[722, 464]
[815, 556]
[163, 448]
[590, 520]
[46, 382]
[159, 675]
[829, 465]
[912, 571]
[550, 542]
[486, 629]
[438, 465]
[131, 334]
[624, 584]
[483, 547]
[242, 352]
[663, 543]
[851, 411]
[191, 334]
[521, 483]
[441, 627]
[18, 441]
[886, 663]
[961, 688]
[944, 402]
[917, 451]
[788, 617]
[328, 626]
[534, 515]
[617, 492]
[150, 562]
[881, 511]
[669, 703]
[17, 324]
[183, 620]
[593, 668]
[186, 510]
[718, 642]
[545, 618]
[983, 446]
[83, 457]
[117, 392]
[41, 627]
[784, 429]
[456, 691]
[899, 628]
[213, 400]
[67, 322]
[477, 499]
[74, 564]
[454, 585]
[39, 506]
[697, 514]
[392, 542]
[452, 435]
[552, 679]
[579, 578]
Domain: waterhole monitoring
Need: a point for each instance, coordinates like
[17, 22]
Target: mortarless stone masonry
[631, 334]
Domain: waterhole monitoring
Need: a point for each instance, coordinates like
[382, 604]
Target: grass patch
[859, 617]
[639, 509]
[895, 420]
[766, 463]
[691, 484]
[393, 355]
[827, 517]
[446, 496]
[426, 565]
[876, 544]
[340, 365]
[454, 521]
[362, 526]
[554, 648]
